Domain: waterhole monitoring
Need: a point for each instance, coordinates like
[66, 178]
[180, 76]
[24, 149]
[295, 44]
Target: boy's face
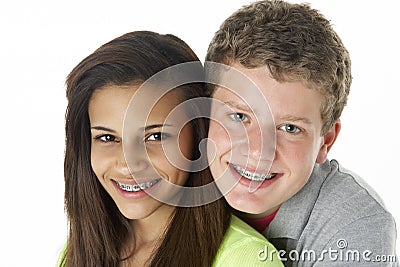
[296, 111]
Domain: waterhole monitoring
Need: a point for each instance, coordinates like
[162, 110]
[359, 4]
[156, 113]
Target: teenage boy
[311, 208]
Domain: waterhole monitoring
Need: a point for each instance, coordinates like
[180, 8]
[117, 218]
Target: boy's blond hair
[295, 42]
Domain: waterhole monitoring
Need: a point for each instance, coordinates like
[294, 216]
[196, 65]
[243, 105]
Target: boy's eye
[239, 117]
[156, 137]
[290, 128]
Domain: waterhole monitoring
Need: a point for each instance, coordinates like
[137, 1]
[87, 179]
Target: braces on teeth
[137, 187]
[253, 176]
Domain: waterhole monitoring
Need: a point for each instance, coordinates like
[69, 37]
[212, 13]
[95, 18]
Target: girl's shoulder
[244, 246]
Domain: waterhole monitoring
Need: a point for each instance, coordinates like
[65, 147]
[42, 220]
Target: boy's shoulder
[331, 192]
[343, 200]
[340, 185]
[335, 207]
[342, 194]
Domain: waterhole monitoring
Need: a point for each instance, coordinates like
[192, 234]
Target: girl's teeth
[253, 176]
[137, 187]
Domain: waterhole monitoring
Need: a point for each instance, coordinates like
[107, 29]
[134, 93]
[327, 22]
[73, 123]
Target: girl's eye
[156, 137]
[106, 138]
[239, 117]
[290, 128]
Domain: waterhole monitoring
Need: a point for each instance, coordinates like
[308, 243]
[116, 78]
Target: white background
[41, 41]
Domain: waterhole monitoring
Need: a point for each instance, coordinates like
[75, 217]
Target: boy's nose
[259, 146]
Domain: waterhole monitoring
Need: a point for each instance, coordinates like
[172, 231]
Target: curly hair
[295, 43]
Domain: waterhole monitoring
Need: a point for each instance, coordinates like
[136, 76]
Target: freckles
[295, 153]
[219, 135]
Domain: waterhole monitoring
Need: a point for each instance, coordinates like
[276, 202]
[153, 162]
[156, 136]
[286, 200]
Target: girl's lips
[135, 194]
[135, 187]
[246, 182]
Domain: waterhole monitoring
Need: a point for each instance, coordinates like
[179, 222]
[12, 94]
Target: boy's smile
[296, 113]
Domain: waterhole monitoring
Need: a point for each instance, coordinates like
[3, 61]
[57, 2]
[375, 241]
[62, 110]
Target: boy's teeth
[252, 175]
[137, 187]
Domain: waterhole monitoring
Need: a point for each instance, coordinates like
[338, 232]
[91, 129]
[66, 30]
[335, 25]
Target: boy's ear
[328, 139]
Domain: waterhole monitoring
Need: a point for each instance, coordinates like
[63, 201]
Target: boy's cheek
[219, 143]
[217, 133]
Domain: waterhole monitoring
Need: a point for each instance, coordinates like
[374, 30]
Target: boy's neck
[251, 216]
[260, 223]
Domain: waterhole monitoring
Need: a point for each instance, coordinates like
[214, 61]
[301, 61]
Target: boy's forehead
[288, 102]
[226, 100]
[233, 98]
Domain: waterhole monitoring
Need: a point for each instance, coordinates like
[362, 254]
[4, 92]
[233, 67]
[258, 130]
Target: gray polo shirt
[336, 219]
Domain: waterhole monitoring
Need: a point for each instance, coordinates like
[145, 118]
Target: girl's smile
[133, 184]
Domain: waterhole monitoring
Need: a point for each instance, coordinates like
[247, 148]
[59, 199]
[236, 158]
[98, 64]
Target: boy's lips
[253, 176]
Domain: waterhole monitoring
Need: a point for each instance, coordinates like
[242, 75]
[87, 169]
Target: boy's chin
[250, 203]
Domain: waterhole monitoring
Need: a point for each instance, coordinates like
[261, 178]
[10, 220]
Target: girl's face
[130, 186]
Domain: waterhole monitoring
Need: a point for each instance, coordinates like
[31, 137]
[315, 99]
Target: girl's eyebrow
[149, 127]
[153, 126]
[102, 128]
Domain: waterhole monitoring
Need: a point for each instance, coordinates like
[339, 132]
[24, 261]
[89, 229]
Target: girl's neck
[148, 234]
[153, 227]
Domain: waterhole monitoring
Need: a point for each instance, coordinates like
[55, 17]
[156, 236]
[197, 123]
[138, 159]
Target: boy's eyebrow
[295, 119]
[102, 128]
[238, 106]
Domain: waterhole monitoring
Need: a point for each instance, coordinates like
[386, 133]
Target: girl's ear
[328, 140]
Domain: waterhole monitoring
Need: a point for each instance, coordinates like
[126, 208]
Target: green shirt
[244, 246]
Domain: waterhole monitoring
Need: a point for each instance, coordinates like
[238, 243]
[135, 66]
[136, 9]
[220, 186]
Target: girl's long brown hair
[97, 229]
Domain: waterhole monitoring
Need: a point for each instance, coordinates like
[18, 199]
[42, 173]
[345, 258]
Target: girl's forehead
[111, 105]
